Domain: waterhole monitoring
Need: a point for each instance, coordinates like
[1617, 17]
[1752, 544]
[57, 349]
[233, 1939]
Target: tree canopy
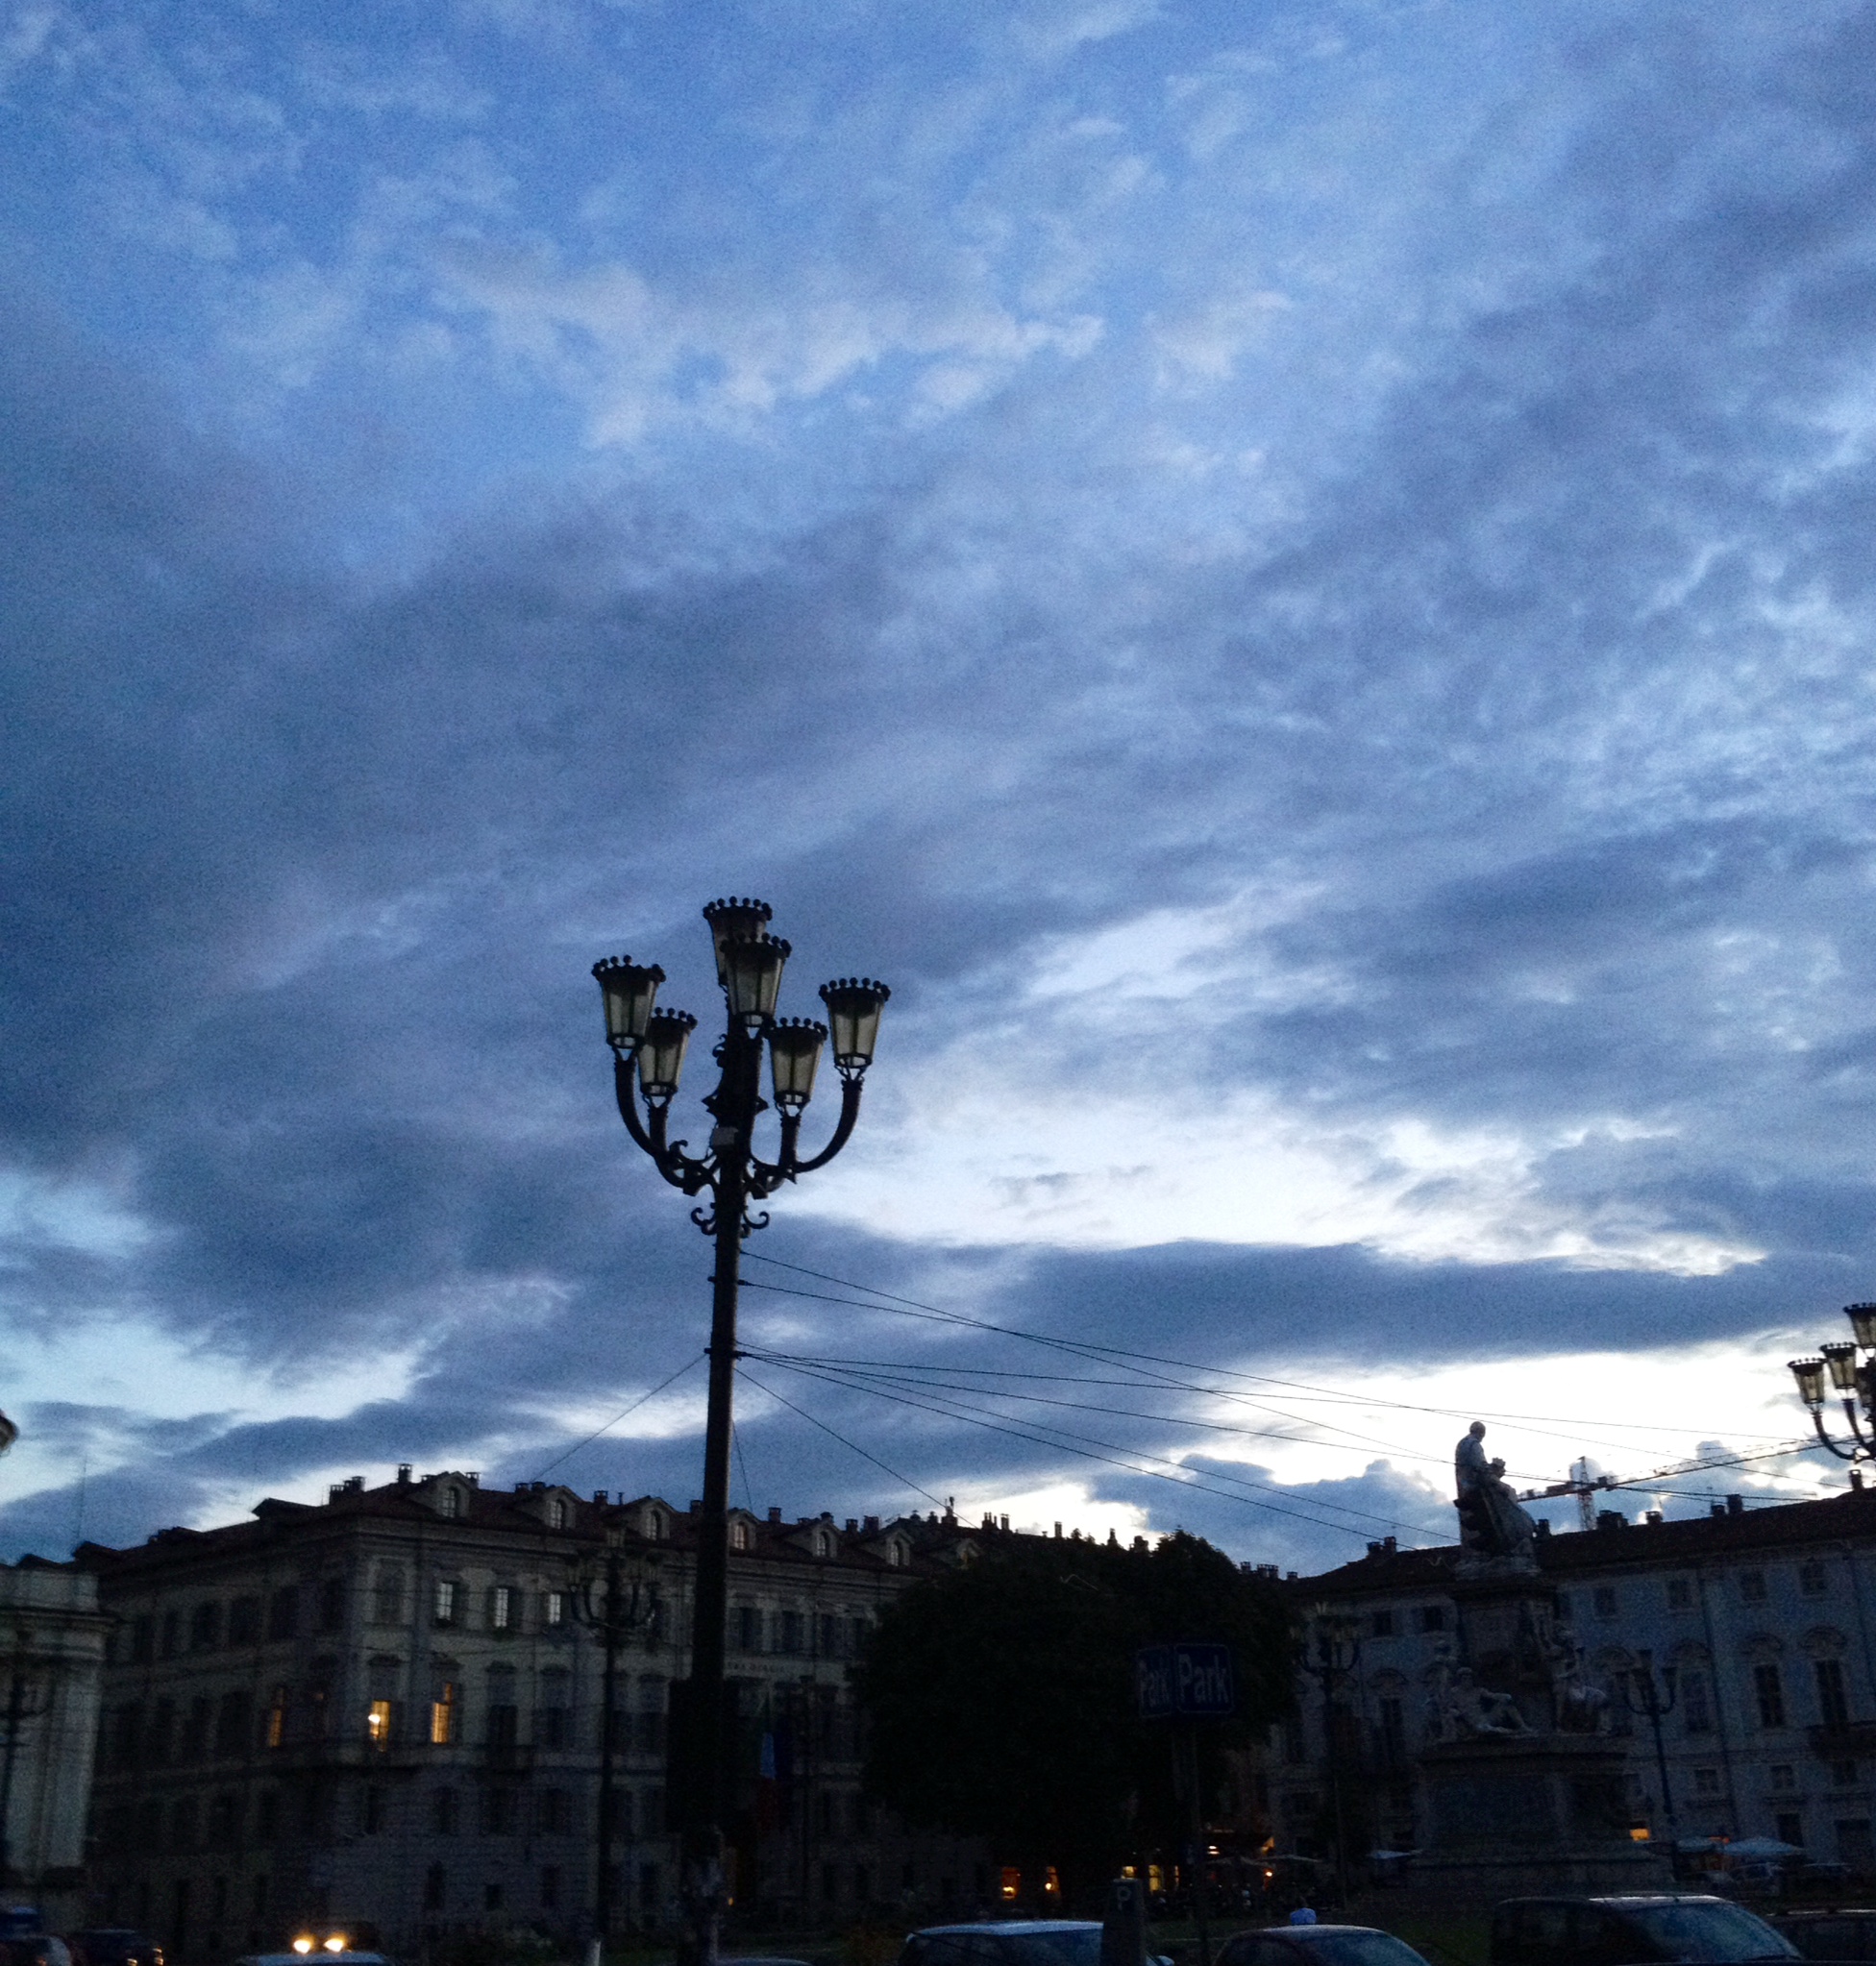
[1001, 1698]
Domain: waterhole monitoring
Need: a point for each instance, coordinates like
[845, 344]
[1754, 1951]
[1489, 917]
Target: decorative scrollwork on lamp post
[648, 1045]
[1853, 1381]
[1645, 1692]
[1330, 1651]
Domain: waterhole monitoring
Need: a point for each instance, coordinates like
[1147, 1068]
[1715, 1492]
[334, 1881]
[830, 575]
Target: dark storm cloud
[304, 869]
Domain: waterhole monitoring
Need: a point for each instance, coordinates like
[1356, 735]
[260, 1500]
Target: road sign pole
[1196, 1819]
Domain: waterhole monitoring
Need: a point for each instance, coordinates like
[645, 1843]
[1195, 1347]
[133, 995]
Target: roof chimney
[872, 1525]
[403, 1474]
[775, 1515]
[1004, 1523]
[598, 1496]
[1736, 1505]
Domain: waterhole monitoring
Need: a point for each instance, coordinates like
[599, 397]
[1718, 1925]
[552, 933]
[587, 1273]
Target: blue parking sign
[1185, 1681]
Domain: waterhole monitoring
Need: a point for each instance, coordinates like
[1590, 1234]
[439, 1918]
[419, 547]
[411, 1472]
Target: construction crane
[1585, 1486]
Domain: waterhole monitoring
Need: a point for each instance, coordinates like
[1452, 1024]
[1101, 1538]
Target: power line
[617, 1417]
[906, 1480]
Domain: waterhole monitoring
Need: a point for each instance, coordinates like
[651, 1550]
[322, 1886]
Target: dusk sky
[1298, 580]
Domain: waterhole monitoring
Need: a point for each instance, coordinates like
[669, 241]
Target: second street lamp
[750, 964]
[1854, 1384]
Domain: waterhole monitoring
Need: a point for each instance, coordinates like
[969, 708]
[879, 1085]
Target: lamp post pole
[749, 963]
[1336, 1651]
[611, 1607]
[1657, 1698]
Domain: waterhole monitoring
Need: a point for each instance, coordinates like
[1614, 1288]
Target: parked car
[1006, 1942]
[1829, 1934]
[1633, 1930]
[1317, 1945]
[118, 1946]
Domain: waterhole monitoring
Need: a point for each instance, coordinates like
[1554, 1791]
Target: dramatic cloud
[1299, 581]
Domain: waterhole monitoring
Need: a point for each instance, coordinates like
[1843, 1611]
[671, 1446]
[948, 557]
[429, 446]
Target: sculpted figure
[1491, 1522]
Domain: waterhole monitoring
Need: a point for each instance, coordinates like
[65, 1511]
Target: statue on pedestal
[1491, 1522]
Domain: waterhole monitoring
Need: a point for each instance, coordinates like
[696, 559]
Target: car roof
[1309, 1932]
[1006, 1924]
[1617, 1899]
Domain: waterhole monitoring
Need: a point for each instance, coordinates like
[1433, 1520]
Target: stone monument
[1525, 1789]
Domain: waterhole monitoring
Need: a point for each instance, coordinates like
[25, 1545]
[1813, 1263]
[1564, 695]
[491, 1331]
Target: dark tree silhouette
[1001, 1699]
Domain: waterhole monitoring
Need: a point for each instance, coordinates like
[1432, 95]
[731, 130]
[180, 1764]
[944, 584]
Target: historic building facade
[385, 1711]
[1763, 1615]
[52, 1648]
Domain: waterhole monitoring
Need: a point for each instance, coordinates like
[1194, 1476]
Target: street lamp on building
[612, 1602]
[1852, 1380]
[1645, 1692]
[1330, 1652]
[649, 1045]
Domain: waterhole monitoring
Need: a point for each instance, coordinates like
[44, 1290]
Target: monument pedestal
[1512, 1814]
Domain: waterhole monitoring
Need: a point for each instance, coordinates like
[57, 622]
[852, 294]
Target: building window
[554, 1812]
[553, 1609]
[740, 1536]
[232, 1724]
[503, 1723]
[1768, 1690]
[1790, 1828]
[828, 1641]
[550, 1879]
[373, 1813]
[824, 1543]
[274, 1725]
[1603, 1601]
[332, 1605]
[378, 1723]
[1680, 1594]
[895, 1554]
[498, 1811]
[244, 1621]
[205, 1628]
[1433, 1617]
[442, 1812]
[442, 1602]
[1843, 1775]
[433, 1888]
[1783, 1776]
[1393, 1731]
[749, 1628]
[501, 1609]
[556, 1513]
[788, 1637]
[1813, 1580]
[1706, 1782]
[450, 1505]
[267, 1817]
[1381, 1625]
[442, 1716]
[143, 1639]
[1752, 1587]
[387, 1601]
[283, 1612]
[172, 1633]
[1697, 1707]
[1833, 1703]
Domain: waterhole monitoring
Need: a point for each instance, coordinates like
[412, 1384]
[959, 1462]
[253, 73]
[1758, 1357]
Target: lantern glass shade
[853, 1006]
[628, 991]
[1841, 1359]
[731, 917]
[1810, 1375]
[1862, 1324]
[661, 1056]
[794, 1051]
[753, 966]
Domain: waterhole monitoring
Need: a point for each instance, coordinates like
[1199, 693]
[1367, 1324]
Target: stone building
[382, 1713]
[52, 1648]
[1764, 1615]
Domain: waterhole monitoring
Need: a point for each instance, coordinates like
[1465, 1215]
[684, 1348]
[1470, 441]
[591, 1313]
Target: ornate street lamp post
[612, 1606]
[1854, 1383]
[749, 963]
[1643, 1693]
[1336, 1652]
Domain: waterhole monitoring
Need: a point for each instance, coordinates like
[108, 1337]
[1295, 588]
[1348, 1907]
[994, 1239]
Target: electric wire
[618, 1416]
[905, 1480]
[1065, 1442]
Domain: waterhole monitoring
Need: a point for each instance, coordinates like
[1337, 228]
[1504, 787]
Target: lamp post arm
[1857, 1433]
[1817, 1421]
[849, 1114]
[673, 1162]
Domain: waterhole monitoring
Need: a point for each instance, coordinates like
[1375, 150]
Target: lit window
[443, 1602]
[378, 1723]
[442, 1717]
[501, 1606]
[553, 1609]
[276, 1733]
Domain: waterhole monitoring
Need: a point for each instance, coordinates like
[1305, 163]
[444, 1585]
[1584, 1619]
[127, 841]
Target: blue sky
[1297, 578]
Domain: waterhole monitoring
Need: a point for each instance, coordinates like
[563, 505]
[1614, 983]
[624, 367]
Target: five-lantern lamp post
[648, 1045]
[1853, 1381]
